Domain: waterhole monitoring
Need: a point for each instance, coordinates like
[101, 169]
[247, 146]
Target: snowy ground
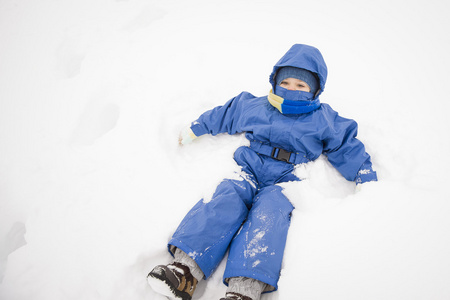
[93, 94]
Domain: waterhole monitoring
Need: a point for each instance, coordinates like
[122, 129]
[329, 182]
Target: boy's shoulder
[248, 99]
[326, 107]
[326, 110]
[246, 95]
[333, 117]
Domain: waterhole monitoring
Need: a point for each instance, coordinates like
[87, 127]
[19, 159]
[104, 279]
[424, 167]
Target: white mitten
[186, 136]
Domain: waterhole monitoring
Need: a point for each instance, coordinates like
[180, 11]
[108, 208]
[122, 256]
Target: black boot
[174, 280]
[235, 296]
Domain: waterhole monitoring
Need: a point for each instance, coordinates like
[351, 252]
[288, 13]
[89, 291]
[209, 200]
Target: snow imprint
[364, 172]
[256, 263]
[193, 254]
[254, 247]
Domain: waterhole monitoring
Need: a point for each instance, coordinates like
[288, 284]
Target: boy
[251, 216]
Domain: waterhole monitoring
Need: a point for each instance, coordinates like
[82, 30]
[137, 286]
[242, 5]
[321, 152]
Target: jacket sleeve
[345, 152]
[221, 119]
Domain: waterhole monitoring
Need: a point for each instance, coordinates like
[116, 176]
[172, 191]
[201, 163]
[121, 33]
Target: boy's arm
[346, 153]
[220, 119]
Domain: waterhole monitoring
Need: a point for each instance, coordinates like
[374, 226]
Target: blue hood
[305, 57]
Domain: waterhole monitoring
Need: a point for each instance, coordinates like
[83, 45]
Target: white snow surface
[93, 94]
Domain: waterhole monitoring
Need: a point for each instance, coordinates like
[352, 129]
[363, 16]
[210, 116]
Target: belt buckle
[281, 154]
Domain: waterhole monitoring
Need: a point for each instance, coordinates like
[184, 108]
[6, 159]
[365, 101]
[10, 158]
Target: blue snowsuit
[251, 216]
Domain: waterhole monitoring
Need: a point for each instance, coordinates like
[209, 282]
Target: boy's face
[294, 84]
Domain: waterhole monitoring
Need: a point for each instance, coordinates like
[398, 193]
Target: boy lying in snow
[251, 216]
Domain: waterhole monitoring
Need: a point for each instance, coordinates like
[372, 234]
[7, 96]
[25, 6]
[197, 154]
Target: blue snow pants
[250, 217]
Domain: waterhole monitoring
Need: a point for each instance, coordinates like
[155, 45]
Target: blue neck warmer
[293, 102]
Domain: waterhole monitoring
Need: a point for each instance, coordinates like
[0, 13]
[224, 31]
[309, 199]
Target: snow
[93, 183]
[255, 246]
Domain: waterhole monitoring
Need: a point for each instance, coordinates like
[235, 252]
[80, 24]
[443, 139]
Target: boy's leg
[184, 259]
[206, 231]
[257, 250]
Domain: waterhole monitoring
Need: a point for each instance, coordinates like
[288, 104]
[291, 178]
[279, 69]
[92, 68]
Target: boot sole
[161, 287]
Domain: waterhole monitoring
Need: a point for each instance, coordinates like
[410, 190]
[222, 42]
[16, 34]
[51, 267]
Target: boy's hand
[359, 185]
[186, 136]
